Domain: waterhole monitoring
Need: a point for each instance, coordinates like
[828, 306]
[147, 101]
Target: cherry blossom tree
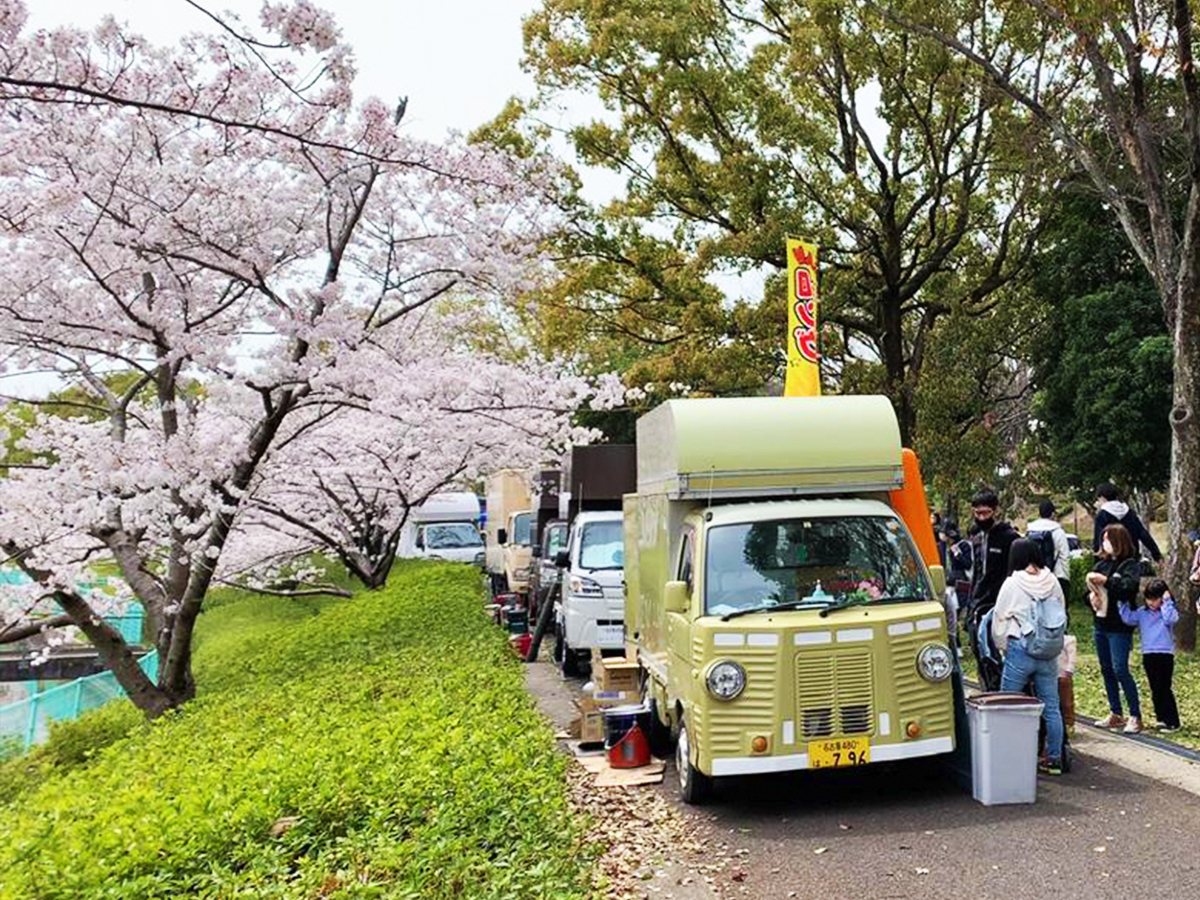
[225, 242]
[421, 411]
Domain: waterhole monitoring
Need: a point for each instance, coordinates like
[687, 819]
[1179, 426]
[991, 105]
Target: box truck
[509, 531]
[783, 601]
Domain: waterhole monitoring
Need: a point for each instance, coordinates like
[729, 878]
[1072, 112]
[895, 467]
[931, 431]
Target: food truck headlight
[726, 679]
[585, 586]
[935, 662]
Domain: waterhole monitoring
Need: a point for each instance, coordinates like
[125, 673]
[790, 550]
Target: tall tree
[205, 248]
[736, 124]
[1080, 63]
[1102, 364]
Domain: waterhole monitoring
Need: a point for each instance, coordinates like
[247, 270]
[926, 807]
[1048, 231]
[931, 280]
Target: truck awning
[760, 446]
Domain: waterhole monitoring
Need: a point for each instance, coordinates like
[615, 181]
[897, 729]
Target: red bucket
[521, 643]
[625, 739]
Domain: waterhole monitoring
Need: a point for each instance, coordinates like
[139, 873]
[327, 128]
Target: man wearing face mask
[991, 543]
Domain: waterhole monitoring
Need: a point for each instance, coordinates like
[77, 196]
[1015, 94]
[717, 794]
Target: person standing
[1029, 586]
[1052, 543]
[1113, 512]
[959, 560]
[1154, 621]
[991, 544]
[1114, 580]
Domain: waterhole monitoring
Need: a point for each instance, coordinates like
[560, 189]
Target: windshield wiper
[852, 600]
[791, 604]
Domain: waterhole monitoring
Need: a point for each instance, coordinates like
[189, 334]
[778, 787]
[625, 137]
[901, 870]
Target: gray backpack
[1045, 641]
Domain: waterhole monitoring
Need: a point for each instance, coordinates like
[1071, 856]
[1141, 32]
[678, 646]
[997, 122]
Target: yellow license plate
[838, 752]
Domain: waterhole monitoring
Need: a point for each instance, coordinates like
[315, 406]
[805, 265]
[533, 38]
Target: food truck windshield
[817, 563]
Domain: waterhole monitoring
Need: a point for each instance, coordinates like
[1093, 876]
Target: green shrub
[377, 747]
[1080, 566]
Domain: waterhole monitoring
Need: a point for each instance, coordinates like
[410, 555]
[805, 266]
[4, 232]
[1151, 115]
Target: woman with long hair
[1030, 585]
[1114, 580]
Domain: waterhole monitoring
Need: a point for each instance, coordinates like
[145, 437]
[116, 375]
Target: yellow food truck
[782, 595]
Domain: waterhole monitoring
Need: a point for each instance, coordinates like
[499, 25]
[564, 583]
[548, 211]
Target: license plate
[838, 752]
[610, 635]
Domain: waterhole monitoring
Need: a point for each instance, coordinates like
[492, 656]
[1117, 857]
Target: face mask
[1106, 546]
[985, 524]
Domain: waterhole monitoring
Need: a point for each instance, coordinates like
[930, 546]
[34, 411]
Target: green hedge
[391, 732]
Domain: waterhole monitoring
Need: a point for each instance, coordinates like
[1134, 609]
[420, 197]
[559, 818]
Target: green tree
[736, 124]
[1103, 363]
[1086, 69]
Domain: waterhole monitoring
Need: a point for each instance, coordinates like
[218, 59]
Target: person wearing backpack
[1115, 579]
[1051, 542]
[1028, 625]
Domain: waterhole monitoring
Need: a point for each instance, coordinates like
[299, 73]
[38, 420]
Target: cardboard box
[591, 718]
[616, 674]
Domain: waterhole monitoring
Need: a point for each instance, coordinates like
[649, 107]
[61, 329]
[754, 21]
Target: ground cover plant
[381, 746]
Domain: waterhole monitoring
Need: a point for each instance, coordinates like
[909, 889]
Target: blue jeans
[1112, 650]
[1019, 669]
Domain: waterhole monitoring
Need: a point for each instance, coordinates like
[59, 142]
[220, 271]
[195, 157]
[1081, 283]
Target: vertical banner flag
[803, 369]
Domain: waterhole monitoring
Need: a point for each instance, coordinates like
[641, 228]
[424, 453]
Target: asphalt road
[904, 830]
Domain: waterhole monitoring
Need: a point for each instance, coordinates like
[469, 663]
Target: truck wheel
[694, 786]
[570, 660]
[660, 734]
[558, 645]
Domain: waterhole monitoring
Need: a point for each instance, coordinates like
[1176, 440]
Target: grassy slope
[390, 732]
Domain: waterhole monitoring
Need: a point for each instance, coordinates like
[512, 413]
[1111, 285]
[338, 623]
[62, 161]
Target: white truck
[446, 526]
[591, 612]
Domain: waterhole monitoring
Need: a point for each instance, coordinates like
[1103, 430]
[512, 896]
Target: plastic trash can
[1004, 747]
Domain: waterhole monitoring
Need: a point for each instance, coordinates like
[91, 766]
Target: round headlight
[935, 662]
[726, 679]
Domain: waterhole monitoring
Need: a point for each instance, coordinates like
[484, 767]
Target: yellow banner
[803, 368]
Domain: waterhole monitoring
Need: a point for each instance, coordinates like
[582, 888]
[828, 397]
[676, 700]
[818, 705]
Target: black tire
[659, 737]
[499, 583]
[570, 659]
[558, 645]
[694, 786]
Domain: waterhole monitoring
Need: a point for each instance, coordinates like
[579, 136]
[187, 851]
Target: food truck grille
[834, 692]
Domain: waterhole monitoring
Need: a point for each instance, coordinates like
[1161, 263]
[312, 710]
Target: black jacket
[991, 565]
[1124, 579]
[1139, 532]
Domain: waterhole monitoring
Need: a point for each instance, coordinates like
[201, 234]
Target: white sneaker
[1133, 726]
[1112, 720]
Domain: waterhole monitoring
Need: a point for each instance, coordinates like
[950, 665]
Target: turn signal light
[759, 744]
[913, 729]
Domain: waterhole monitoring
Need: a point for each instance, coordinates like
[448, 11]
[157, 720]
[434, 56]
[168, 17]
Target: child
[1154, 621]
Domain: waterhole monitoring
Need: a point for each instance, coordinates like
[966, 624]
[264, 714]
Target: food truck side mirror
[562, 559]
[675, 597]
[502, 535]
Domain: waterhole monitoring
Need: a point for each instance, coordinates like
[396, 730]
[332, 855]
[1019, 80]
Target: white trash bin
[1004, 747]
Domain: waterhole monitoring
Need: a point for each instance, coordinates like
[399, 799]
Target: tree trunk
[1183, 499]
[898, 389]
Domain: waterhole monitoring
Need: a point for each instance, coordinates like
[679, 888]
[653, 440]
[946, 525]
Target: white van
[446, 526]
[592, 610]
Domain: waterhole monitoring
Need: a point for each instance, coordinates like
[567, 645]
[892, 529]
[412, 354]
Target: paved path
[1107, 830]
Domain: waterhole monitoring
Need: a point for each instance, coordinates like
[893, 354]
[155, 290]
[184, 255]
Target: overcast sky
[458, 61]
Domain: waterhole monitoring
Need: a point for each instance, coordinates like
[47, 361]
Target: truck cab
[783, 597]
[516, 548]
[592, 611]
[445, 526]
